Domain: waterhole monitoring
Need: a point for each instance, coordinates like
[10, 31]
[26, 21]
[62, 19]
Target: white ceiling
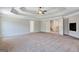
[31, 12]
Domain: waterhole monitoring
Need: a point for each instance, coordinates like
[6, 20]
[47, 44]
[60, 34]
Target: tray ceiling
[31, 12]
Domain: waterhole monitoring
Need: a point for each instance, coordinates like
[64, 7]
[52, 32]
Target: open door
[54, 26]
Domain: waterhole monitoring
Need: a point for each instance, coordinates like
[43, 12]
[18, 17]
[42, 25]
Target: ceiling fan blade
[14, 11]
[41, 11]
[40, 7]
[45, 11]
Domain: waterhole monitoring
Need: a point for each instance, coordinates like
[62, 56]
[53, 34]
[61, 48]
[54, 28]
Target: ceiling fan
[41, 11]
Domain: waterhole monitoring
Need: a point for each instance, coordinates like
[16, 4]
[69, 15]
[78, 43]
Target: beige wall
[66, 26]
[45, 26]
[35, 26]
[12, 26]
[61, 26]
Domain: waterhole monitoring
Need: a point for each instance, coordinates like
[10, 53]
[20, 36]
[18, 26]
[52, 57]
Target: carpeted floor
[42, 42]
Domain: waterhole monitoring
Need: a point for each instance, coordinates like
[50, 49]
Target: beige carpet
[42, 42]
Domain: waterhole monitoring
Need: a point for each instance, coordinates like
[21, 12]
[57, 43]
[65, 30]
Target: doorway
[54, 26]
